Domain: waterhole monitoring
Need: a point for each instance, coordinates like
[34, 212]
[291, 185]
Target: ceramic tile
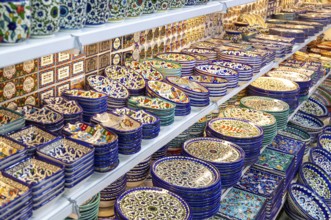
[128, 41]
[104, 60]
[8, 73]
[117, 44]
[11, 105]
[91, 64]
[47, 61]
[47, 77]
[46, 93]
[62, 58]
[29, 83]
[29, 100]
[78, 67]
[78, 83]
[117, 59]
[105, 46]
[9, 89]
[127, 56]
[60, 88]
[63, 72]
[91, 50]
[27, 67]
[142, 38]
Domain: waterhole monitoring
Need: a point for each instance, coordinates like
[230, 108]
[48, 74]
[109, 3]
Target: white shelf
[231, 3]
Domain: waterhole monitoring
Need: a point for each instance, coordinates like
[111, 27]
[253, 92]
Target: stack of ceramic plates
[129, 131]
[176, 96]
[316, 17]
[18, 199]
[230, 75]
[166, 68]
[288, 46]
[277, 163]
[10, 121]
[117, 94]
[284, 16]
[137, 175]
[32, 137]
[316, 109]
[44, 188]
[264, 184]
[303, 203]
[227, 157]
[244, 57]
[174, 147]
[216, 86]
[147, 71]
[188, 62]
[318, 26]
[105, 144]
[44, 118]
[161, 108]
[262, 119]
[276, 38]
[245, 71]
[92, 102]
[241, 132]
[302, 80]
[309, 30]
[198, 128]
[211, 54]
[297, 134]
[308, 123]
[290, 146]
[133, 81]
[199, 95]
[197, 182]
[240, 204]
[77, 159]
[140, 203]
[109, 196]
[150, 123]
[316, 179]
[70, 110]
[322, 158]
[277, 88]
[298, 35]
[11, 151]
[279, 109]
[89, 209]
[162, 152]
[279, 50]
[267, 56]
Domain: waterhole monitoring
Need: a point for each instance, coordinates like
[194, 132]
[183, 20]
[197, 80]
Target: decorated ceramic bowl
[264, 104]
[63, 106]
[41, 115]
[275, 85]
[314, 108]
[307, 122]
[161, 64]
[187, 85]
[168, 92]
[322, 158]
[147, 71]
[207, 81]
[140, 116]
[217, 70]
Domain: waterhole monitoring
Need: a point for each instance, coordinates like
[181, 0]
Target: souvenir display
[92, 102]
[211, 54]
[43, 117]
[161, 108]
[110, 194]
[89, 209]
[140, 203]
[313, 126]
[278, 108]
[105, 144]
[262, 119]
[244, 57]
[241, 132]
[186, 61]
[278, 163]
[147, 71]
[77, 159]
[264, 184]
[44, 177]
[230, 75]
[290, 146]
[129, 131]
[316, 179]
[283, 89]
[227, 157]
[176, 96]
[196, 181]
[11, 151]
[321, 158]
[133, 81]
[302, 80]
[70, 110]
[245, 71]
[166, 68]
[216, 86]
[16, 199]
[10, 121]
[303, 203]
[240, 204]
[198, 94]
[116, 93]
[314, 108]
[150, 123]
[137, 175]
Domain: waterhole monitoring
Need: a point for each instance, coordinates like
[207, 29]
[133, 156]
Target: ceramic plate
[168, 92]
[275, 84]
[264, 104]
[148, 72]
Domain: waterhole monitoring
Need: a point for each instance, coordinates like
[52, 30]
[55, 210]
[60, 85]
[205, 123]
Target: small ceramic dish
[42, 116]
[168, 92]
[84, 95]
[147, 71]
[141, 116]
[10, 120]
[10, 150]
[63, 106]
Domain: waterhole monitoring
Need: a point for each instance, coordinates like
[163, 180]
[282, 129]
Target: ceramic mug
[97, 12]
[15, 23]
[163, 5]
[135, 8]
[150, 6]
[45, 18]
[72, 14]
[118, 10]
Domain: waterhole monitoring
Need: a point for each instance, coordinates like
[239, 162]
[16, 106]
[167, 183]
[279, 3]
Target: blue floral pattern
[97, 12]
[72, 14]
